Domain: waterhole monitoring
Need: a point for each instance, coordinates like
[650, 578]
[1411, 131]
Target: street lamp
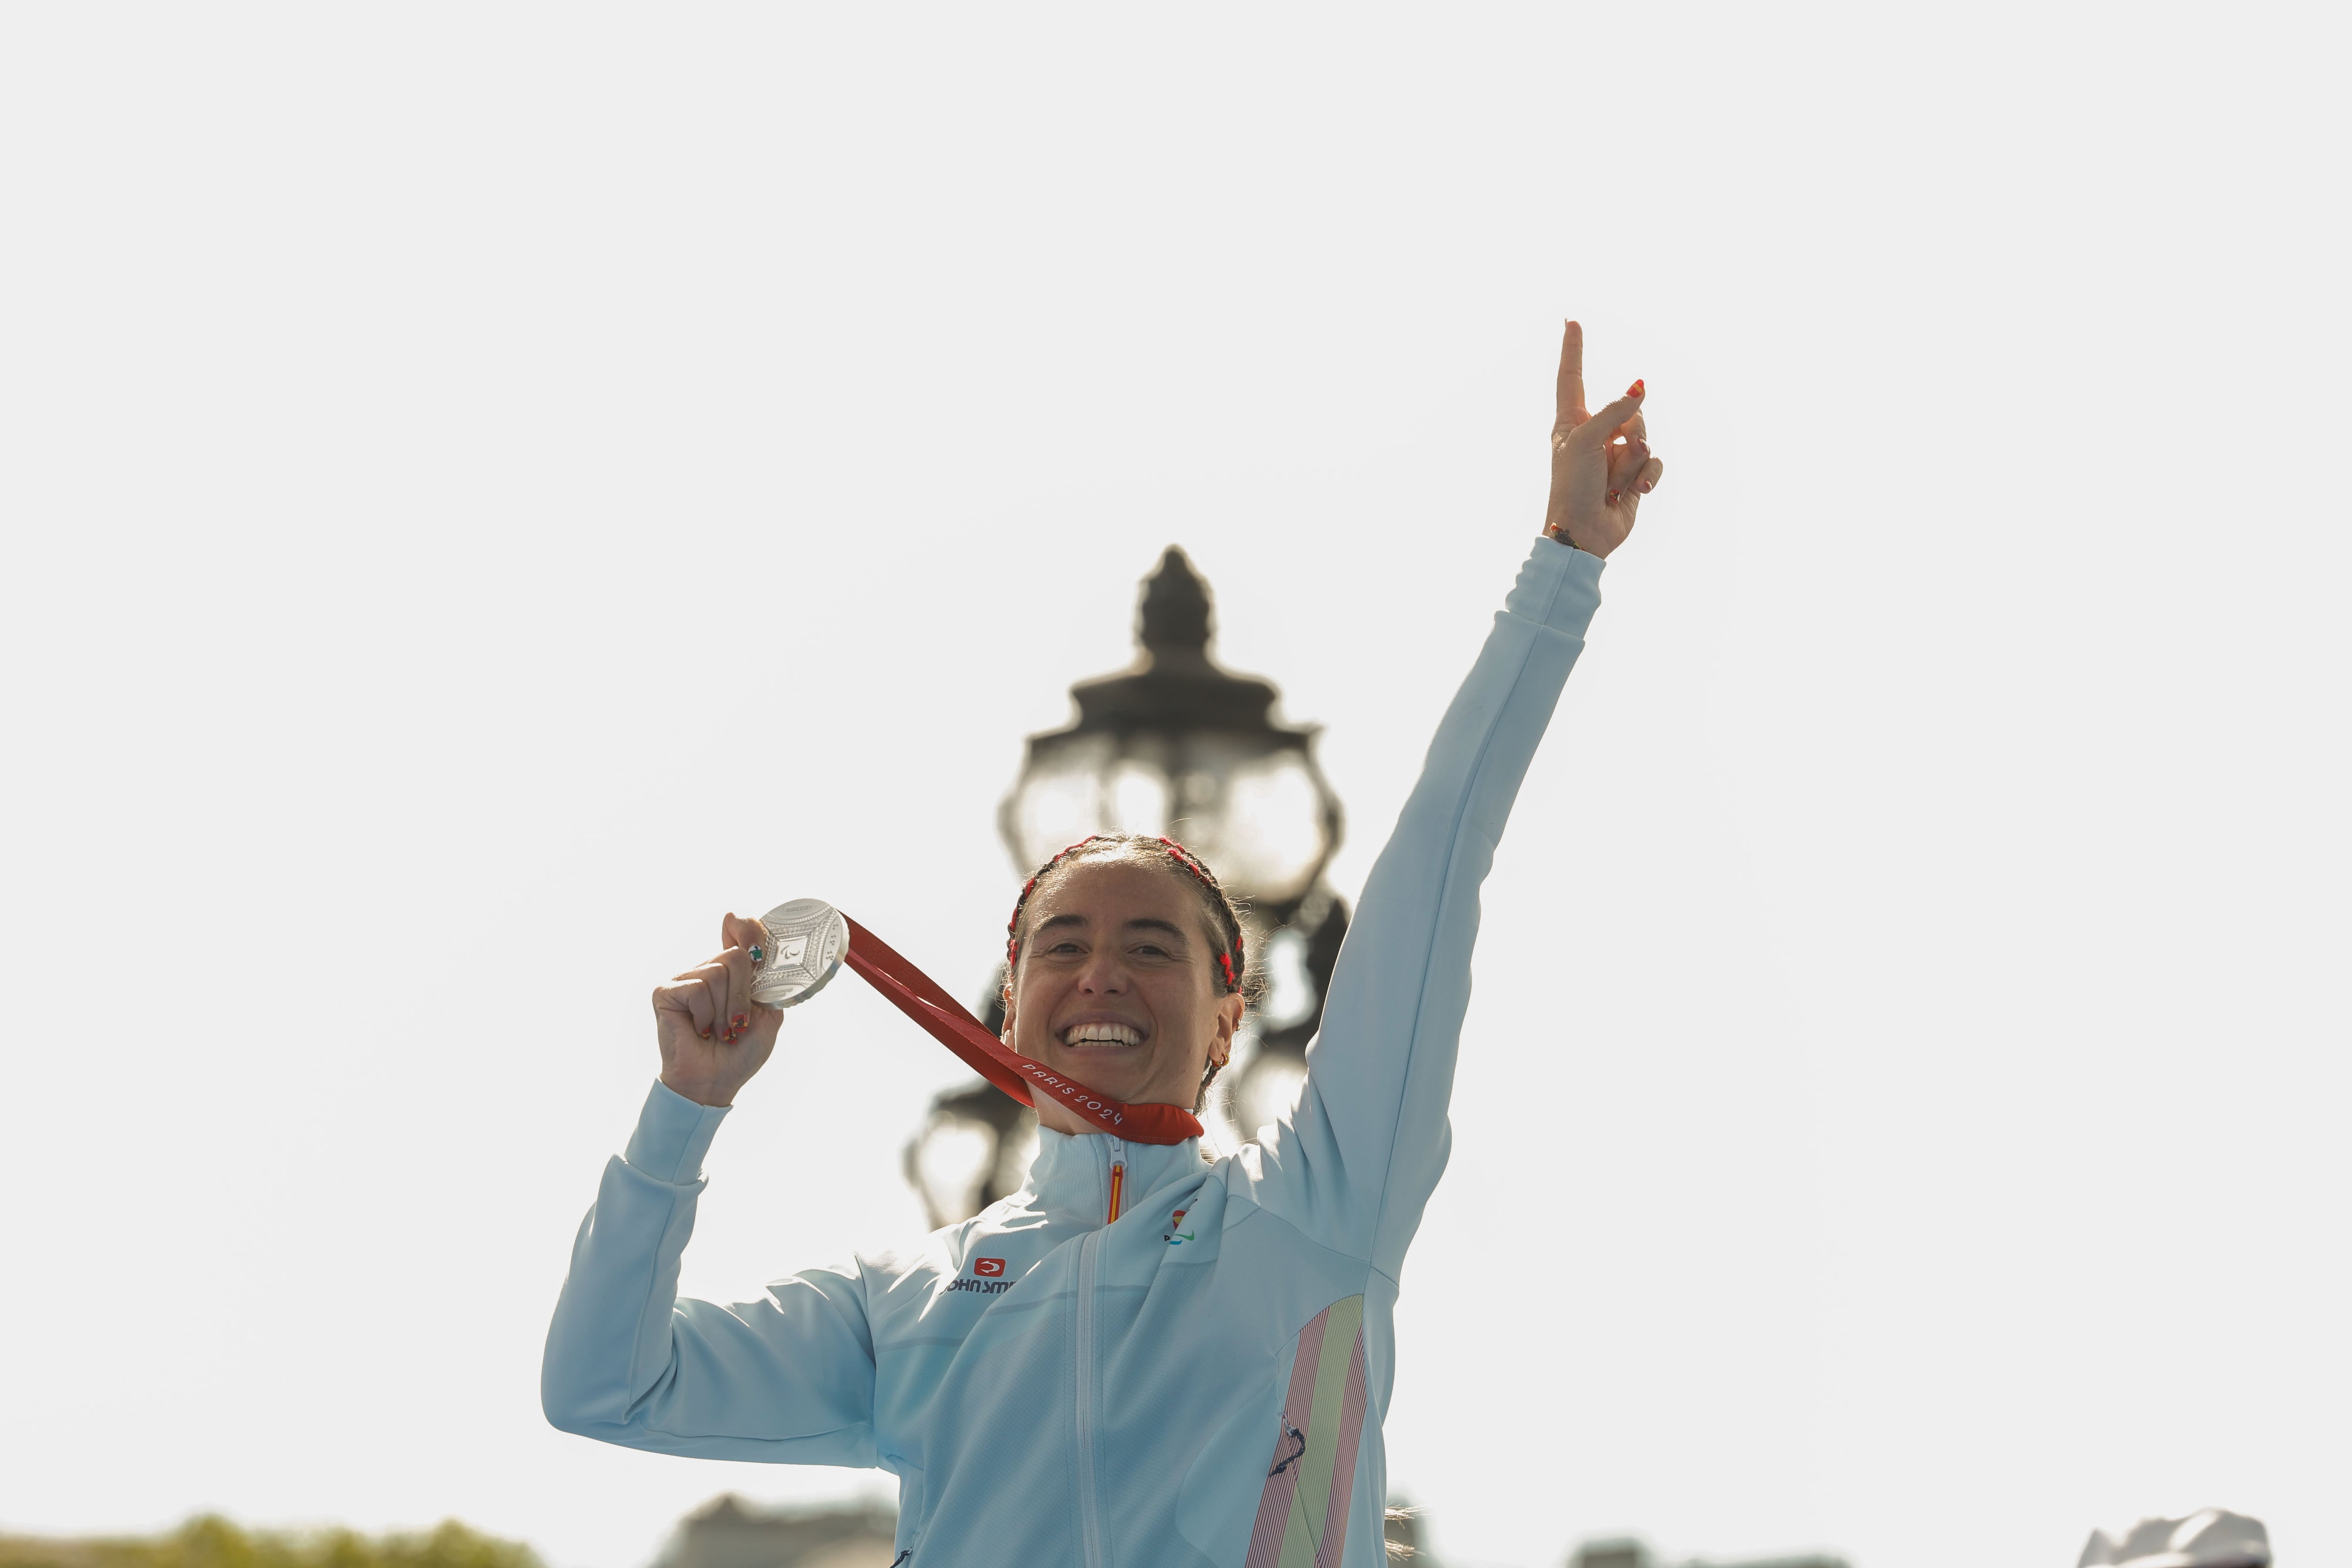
[1175, 745]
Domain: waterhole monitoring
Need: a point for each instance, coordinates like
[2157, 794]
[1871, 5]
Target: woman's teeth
[1101, 1035]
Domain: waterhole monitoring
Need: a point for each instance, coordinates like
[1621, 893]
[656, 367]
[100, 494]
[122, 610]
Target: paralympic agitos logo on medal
[991, 1280]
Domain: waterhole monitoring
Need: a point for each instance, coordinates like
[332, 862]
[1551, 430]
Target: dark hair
[1224, 915]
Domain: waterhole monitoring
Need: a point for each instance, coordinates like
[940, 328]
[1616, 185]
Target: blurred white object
[2213, 1539]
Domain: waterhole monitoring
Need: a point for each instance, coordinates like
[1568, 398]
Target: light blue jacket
[1201, 1382]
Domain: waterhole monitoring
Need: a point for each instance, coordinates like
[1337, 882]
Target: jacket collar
[1071, 1175]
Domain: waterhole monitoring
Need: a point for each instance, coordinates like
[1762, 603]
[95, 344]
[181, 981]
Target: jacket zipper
[1089, 1521]
[1089, 1514]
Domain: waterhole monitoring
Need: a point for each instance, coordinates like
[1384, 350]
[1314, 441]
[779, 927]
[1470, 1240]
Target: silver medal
[806, 941]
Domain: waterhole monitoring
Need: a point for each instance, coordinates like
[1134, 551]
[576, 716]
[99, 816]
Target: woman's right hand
[713, 1035]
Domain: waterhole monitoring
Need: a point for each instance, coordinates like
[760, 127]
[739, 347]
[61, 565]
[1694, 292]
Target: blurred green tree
[211, 1541]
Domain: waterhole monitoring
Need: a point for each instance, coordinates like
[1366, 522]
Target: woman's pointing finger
[1570, 395]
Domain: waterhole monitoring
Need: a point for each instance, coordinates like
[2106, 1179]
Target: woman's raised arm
[1355, 1162]
[788, 1378]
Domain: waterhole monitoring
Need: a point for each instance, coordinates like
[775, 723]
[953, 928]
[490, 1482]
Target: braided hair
[1224, 916]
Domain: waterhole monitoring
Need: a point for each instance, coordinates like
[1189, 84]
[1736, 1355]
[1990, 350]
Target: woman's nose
[1103, 973]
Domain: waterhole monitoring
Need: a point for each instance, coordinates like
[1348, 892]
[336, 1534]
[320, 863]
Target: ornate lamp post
[1172, 744]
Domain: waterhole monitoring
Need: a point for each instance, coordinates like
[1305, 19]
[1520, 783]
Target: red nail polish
[1612, 497]
[705, 1033]
[1635, 389]
[739, 1020]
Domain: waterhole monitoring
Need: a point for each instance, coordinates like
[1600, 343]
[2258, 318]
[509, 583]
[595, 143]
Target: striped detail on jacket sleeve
[1302, 1514]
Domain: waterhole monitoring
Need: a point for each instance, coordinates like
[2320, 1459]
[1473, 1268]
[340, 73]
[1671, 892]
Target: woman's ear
[1230, 1008]
[1006, 1033]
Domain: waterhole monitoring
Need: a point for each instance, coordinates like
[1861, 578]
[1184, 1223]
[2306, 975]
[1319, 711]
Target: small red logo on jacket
[987, 1268]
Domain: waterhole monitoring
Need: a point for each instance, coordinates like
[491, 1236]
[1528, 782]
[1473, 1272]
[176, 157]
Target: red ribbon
[919, 997]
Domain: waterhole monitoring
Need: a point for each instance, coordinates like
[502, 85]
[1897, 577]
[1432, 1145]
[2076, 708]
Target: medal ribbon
[919, 997]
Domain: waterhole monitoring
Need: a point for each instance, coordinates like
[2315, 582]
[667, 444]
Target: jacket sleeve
[788, 1379]
[1354, 1163]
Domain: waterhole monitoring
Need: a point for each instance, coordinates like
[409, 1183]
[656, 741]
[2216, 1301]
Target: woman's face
[1117, 986]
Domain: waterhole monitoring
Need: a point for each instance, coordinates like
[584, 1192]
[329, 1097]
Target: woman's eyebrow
[1145, 922]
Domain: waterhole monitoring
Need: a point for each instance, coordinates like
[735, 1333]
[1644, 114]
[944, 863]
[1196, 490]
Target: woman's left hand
[1600, 463]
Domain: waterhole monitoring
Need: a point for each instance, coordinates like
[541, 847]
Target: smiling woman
[1133, 975]
[1147, 1355]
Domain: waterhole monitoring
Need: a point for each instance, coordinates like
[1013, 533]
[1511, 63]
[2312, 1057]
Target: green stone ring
[758, 955]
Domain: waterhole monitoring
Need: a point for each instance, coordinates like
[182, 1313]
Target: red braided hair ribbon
[919, 997]
[1184, 858]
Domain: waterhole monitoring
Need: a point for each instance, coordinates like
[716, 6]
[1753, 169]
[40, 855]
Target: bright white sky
[491, 489]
